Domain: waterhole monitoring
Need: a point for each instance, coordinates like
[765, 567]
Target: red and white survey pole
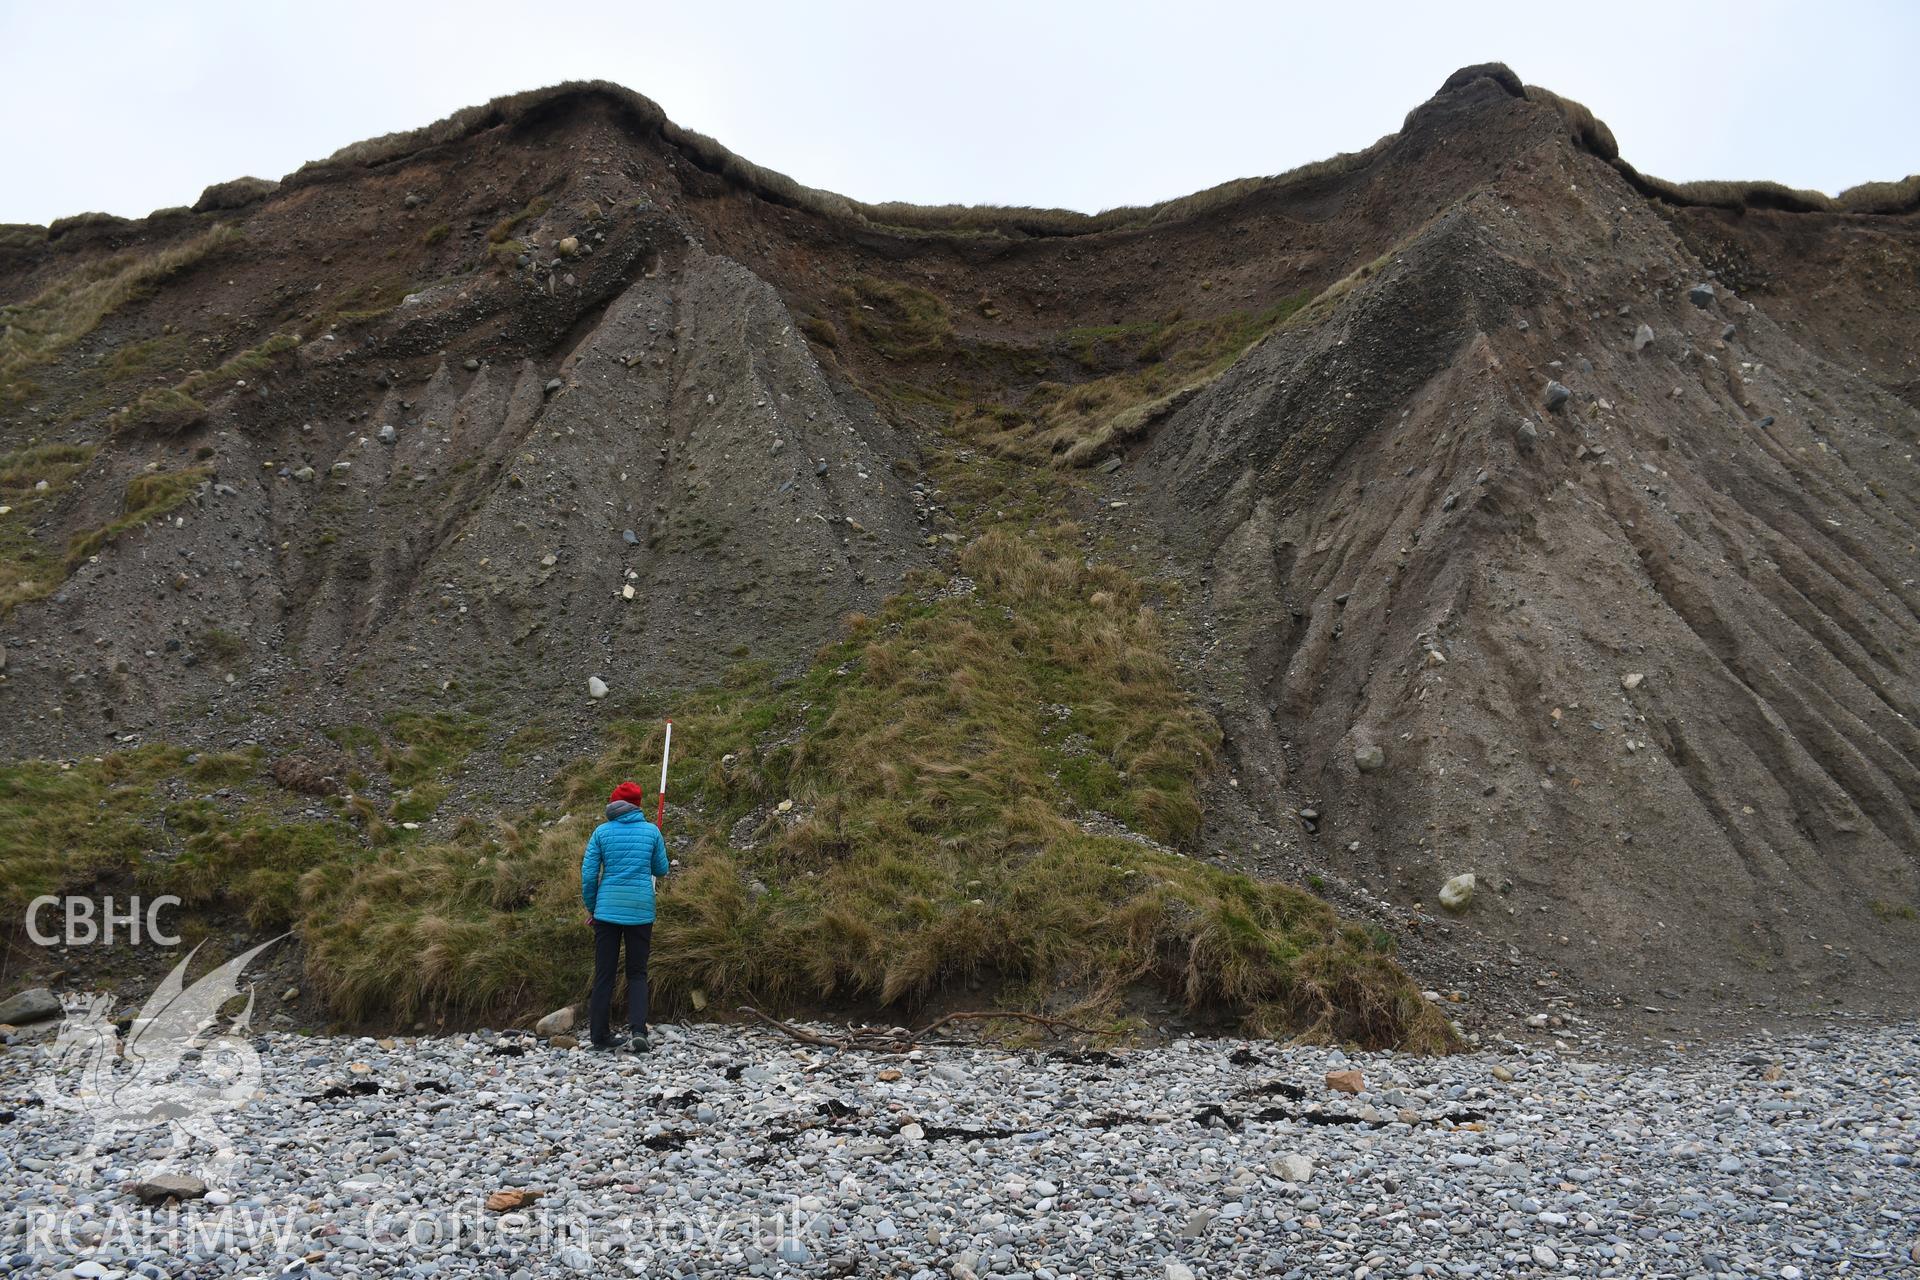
[660, 815]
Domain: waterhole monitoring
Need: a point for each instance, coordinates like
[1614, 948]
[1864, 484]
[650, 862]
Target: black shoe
[640, 1043]
[605, 1046]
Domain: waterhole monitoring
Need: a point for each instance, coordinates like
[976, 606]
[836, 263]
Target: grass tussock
[144, 359]
[145, 816]
[62, 827]
[171, 410]
[85, 222]
[39, 329]
[503, 230]
[360, 303]
[1882, 197]
[1589, 132]
[820, 330]
[148, 497]
[419, 746]
[1154, 367]
[22, 235]
[23, 469]
[1733, 195]
[938, 760]
[898, 320]
[156, 361]
[28, 570]
[235, 194]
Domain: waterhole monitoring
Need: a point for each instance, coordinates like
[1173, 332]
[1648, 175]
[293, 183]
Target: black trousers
[607, 938]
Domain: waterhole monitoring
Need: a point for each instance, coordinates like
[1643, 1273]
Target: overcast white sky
[129, 107]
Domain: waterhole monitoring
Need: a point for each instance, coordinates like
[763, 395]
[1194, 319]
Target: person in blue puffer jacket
[623, 856]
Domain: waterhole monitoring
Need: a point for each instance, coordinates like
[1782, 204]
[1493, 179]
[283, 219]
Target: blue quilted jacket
[623, 856]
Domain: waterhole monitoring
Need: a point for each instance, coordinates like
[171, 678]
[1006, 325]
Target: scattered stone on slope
[35, 1004]
[1346, 1081]
[1643, 337]
[1368, 757]
[1457, 892]
[1294, 1168]
[596, 688]
[1557, 395]
[168, 1186]
[1701, 295]
[507, 1199]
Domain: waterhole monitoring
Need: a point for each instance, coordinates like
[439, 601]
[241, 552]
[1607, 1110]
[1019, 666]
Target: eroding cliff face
[1492, 538]
[1641, 662]
[599, 449]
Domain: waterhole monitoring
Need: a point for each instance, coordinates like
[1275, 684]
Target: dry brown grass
[235, 194]
[22, 235]
[1729, 195]
[1159, 366]
[39, 329]
[28, 570]
[1589, 132]
[645, 116]
[148, 497]
[1882, 197]
[170, 410]
[502, 231]
[82, 221]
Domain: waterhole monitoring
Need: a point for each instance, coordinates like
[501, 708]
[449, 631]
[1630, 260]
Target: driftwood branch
[988, 1015]
[896, 1041]
[787, 1028]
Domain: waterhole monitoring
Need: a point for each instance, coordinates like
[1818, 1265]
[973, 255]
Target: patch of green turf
[933, 837]
[38, 330]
